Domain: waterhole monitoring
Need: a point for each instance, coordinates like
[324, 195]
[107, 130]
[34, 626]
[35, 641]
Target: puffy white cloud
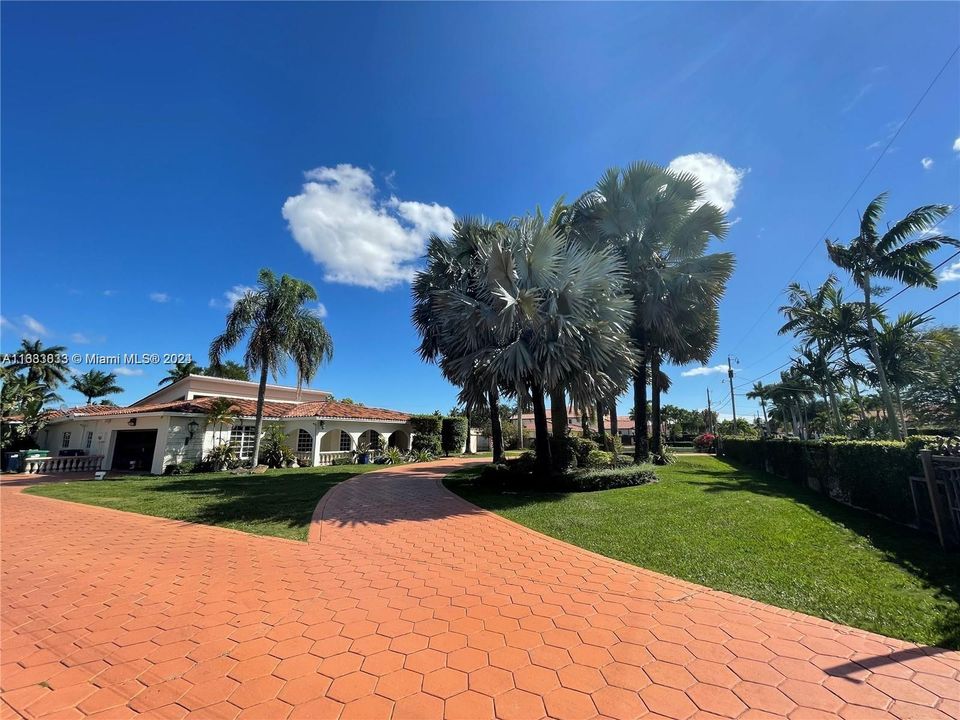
[127, 371]
[159, 297]
[704, 370]
[951, 273]
[33, 327]
[927, 162]
[956, 145]
[320, 310]
[720, 180]
[231, 296]
[356, 237]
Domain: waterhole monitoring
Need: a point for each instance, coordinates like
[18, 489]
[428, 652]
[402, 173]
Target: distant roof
[324, 410]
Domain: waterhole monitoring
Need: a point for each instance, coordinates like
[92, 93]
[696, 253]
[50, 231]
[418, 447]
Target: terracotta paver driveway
[408, 603]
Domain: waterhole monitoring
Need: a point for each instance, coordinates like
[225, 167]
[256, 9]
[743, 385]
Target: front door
[133, 450]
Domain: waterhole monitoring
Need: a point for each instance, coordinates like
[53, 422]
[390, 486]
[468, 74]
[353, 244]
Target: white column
[316, 446]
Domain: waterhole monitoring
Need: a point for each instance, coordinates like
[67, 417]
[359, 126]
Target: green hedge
[869, 474]
[426, 424]
[453, 435]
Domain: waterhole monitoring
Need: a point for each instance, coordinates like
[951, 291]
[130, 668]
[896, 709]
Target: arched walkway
[399, 439]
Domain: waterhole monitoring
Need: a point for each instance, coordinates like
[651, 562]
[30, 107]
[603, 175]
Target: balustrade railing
[64, 464]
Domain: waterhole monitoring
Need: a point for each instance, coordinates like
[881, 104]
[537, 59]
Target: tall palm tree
[759, 392]
[95, 384]
[44, 365]
[658, 224]
[900, 254]
[179, 371]
[843, 322]
[904, 353]
[280, 328]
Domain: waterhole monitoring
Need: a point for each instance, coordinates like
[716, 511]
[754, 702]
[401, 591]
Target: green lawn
[279, 502]
[733, 529]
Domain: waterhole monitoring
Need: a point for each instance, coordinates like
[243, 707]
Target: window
[345, 443]
[304, 442]
[89, 443]
[65, 442]
[241, 440]
[373, 438]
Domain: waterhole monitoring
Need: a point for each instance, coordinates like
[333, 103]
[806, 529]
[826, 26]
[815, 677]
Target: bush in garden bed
[521, 474]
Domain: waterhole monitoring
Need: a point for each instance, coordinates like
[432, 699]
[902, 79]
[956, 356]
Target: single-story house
[626, 427]
[172, 426]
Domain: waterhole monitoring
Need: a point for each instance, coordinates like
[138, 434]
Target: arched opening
[399, 439]
[372, 440]
[336, 441]
[304, 442]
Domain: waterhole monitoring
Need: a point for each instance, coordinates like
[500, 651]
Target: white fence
[74, 463]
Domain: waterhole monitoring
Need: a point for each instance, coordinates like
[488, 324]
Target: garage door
[134, 450]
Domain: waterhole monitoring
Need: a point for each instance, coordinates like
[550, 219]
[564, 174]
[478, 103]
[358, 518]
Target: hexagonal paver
[407, 603]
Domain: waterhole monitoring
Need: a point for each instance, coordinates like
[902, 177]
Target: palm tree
[760, 392]
[901, 254]
[44, 365]
[180, 371]
[658, 224]
[280, 328]
[228, 369]
[843, 321]
[904, 353]
[221, 412]
[95, 384]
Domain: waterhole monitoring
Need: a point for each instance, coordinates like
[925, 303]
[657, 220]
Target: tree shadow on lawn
[287, 499]
[914, 551]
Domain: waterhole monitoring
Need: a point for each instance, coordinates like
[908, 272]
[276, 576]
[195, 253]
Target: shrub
[610, 478]
[395, 456]
[222, 456]
[178, 468]
[453, 434]
[426, 424]
[597, 459]
[274, 451]
[429, 444]
[342, 461]
[582, 447]
[705, 443]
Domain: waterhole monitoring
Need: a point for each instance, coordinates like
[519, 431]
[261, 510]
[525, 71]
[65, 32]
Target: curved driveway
[408, 602]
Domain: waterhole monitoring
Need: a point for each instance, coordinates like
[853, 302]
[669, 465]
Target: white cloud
[109, 293]
[80, 339]
[704, 370]
[159, 297]
[927, 162]
[951, 273]
[33, 326]
[5, 323]
[127, 371]
[357, 238]
[956, 145]
[231, 296]
[320, 310]
[720, 180]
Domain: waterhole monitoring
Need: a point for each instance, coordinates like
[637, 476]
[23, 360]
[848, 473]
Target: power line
[863, 181]
[907, 287]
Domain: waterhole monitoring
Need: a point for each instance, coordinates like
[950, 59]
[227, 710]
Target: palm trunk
[657, 440]
[614, 421]
[853, 379]
[903, 415]
[542, 441]
[875, 351]
[468, 450]
[640, 446]
[258, 425]
[495, 430]
[558, 413]
[585, 430]
[601, 429]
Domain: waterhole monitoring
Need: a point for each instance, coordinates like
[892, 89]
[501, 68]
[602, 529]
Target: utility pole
[709, 413]
[733, 403]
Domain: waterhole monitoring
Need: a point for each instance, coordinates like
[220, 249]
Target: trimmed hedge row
[869, 474]
[520, 474]
[453, 436]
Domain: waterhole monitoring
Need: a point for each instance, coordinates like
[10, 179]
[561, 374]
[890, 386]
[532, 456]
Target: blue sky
[154, 155]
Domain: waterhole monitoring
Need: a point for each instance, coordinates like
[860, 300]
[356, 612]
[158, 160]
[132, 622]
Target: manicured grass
[748, 533]
[279, 502]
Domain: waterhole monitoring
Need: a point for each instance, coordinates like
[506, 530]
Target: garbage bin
[11, 462]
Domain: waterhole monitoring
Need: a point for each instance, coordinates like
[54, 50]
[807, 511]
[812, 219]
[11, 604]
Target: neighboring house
[626, 427]
[171, 426]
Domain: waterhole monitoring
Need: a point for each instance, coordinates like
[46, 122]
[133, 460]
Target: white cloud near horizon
[127, 371]
[704, 370]
[951, 273]
[927, 162]
[721, 180]
[956, 145]
[356, 237]
[159, 297]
